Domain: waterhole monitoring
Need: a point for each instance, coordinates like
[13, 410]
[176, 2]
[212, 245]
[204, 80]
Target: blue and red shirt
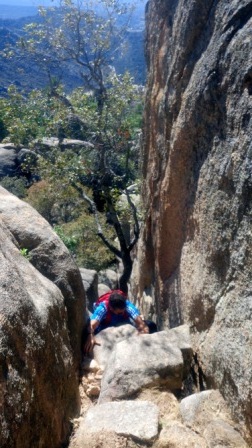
[101, 311]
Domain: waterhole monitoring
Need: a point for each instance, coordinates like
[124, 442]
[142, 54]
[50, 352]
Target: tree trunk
[127, 269]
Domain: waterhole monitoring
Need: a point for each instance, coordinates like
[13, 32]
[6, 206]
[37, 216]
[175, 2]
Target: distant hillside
[16, 11]
[26, 75]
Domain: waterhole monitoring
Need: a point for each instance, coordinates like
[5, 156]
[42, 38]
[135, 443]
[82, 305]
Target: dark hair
[117, 301]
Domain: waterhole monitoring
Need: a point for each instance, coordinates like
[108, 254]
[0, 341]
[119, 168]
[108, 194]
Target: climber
[114, 309]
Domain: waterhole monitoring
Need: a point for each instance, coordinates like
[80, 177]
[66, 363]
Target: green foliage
[112, 134]
[28, 117]
[74, 32]
[56, 205]
[25, 253]
[42, 199]
[15, 185]
[73, 224]
[89, 252]
[70, 242]
[106, 111]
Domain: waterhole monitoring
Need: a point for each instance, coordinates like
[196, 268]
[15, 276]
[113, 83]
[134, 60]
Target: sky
[16, 9]
[40, 2]
[26, 2]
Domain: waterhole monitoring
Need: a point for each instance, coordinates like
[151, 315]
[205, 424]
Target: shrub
[15, 185]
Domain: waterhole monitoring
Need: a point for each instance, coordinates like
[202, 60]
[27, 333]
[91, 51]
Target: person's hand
[89, 344]
[141, 326]
[143, 330]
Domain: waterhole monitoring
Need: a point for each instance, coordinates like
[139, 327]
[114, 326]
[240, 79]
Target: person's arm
[90, 341]
[141, 325]
[97, 317]
[134, 314]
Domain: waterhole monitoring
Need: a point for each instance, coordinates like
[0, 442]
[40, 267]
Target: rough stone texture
[50, 257]
[142, 361]
[109, 277]
[166, 402]
[106, 439]
[11, 159]
[201, 420]
[176, 435]
[102, 289]
[180, 336]
[8, 161]
[131, 419]
[195, 250]
[207, 413]
[222, 434]
[200, 408]
[107, 339]
[90, 282]
[38, 383]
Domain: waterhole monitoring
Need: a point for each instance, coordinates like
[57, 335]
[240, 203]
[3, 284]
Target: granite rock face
[194, 256]
[50, 257]
[41, 317]
[142, 365]
[141, 361]
[107, 340]
[90, 283]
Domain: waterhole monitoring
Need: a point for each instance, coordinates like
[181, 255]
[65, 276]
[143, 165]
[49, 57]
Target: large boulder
[38, 383]
[50, 257]
[107, 340]
[180, 336]
[195, 252]
[207, 413]
[90, 283]
[8, 160]
[109, 277]
[16, 161]
[141, 361]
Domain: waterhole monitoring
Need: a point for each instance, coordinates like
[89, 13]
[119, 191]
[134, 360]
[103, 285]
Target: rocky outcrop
[49, 256]
[19, 162]
[42, 313]
[109, 277]
[141, 369]
[200, 420]
[11, 159]
[132, 362]
[90, 283]
[141, 362]
[8, 159]
[195, 253]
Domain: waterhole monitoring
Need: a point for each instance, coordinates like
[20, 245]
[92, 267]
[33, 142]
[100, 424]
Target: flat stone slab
[141, 361]
[136, 419]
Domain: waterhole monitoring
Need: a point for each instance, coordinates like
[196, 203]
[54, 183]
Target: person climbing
[113, 309]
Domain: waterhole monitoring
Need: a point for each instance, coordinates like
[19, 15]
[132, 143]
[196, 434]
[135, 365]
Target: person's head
[117, 303]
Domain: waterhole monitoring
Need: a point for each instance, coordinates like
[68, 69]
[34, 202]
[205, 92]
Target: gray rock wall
[195, 251]
[42, 304]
